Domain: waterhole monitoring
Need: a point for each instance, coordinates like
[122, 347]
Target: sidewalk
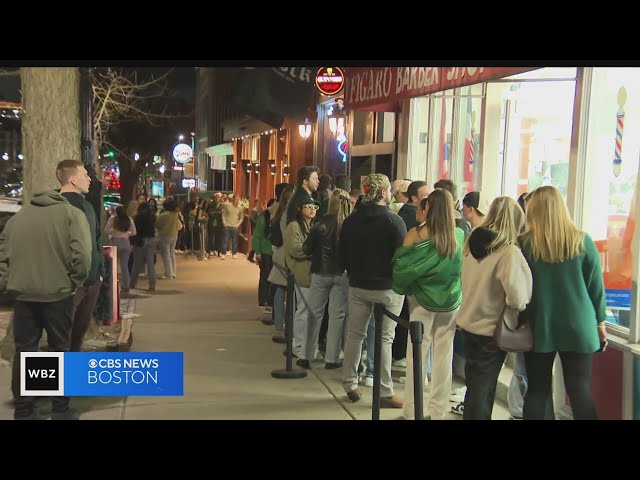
[210, 313]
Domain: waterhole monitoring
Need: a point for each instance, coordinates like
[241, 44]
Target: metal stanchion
[415, 329]
[378, 315]
[418, 379]
[289, 372]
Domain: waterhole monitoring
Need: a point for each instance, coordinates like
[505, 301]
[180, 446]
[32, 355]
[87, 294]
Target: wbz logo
[41, 374]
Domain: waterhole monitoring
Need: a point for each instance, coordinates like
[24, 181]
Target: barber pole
[617, 158]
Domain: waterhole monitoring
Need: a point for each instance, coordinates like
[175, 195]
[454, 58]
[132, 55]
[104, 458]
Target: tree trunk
[50, 124]
[50, 133]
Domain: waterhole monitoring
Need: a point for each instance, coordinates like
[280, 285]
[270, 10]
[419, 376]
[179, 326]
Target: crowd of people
[454, 266]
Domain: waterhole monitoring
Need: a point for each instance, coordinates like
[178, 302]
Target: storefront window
[467, 126]
[527, 136]
[362, 128]
[386, 127]
[547, 73]
[441, 136]
[418, 139]
[609, 203]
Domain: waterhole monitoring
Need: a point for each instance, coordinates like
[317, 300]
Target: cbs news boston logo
[101, 374]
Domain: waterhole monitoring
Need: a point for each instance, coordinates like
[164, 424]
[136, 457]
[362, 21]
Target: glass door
[535, 136]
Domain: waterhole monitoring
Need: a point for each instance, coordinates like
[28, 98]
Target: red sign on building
[366, 87]
[330, 80]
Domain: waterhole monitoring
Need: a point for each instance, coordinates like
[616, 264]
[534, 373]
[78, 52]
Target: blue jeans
[141, 256]
[517, 387]
[230, 233]
[335, 290]
[278, 308]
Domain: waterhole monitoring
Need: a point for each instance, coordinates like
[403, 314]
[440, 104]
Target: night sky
[182, 80]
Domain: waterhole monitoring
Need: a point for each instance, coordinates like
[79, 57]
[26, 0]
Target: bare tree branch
[120, 98]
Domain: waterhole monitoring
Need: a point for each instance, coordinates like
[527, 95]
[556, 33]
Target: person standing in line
[567, 311]
[45, 257]
[74, 185]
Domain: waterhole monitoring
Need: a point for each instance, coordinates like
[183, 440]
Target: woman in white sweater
[494, 274]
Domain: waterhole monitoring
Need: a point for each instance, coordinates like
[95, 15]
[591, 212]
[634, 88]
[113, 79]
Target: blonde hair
[340, 205]
[506, 220]
[440, 222]
[550, 232]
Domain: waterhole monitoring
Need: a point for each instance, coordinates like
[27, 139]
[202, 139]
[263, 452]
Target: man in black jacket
[308, 182]
[368, 241]
[75, 181]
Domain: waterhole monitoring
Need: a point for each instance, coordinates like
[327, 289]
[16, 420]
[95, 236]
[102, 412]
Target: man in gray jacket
[45, 256]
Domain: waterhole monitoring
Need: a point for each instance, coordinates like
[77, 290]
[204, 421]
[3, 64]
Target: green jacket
[45, 250]
[295, 259]
[568, 301]
[260, 243]
[433, 279]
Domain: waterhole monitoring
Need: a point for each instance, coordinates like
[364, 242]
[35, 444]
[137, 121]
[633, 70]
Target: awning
[367, 87]
[222, 149]
[238, 128]
[218, 155]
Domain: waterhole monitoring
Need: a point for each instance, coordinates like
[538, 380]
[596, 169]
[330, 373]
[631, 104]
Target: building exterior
[506, 131]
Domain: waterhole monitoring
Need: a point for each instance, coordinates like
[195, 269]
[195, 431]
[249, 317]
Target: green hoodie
[45, 250]
[434, 279]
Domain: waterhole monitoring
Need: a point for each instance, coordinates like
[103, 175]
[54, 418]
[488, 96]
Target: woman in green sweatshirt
[428, 267]
[567, 309]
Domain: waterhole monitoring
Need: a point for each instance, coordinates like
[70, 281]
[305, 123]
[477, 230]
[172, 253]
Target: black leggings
[576, 369]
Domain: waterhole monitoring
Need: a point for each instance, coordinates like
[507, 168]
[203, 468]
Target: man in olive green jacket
[45, 256]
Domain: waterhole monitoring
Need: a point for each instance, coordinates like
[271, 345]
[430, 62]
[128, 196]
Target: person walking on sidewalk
[74, 182]
[45, 256]
[120, 228]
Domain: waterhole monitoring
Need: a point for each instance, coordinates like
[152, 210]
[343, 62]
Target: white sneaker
[458, 409]
[222, 257]
[234, 257]
[457, 395]
[341, 357]
[368, 380]
[319, 355]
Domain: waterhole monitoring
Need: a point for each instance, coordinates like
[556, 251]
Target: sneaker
[267, 309]
[332, 366]
[457, 395]
[235, 257]
[341, 356]
[458, 409]
[368, 380]
[222, 257]
[355, 394]
[318, 355]
[303, 364]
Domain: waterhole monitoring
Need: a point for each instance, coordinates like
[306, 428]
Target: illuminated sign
[330, 80]
[182, 153]
[342, 147]
[188, 182]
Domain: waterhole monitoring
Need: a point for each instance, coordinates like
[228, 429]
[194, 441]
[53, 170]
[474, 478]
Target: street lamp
[337, 118]
[305, 129]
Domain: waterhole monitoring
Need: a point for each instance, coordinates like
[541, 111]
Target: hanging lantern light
[305, 129]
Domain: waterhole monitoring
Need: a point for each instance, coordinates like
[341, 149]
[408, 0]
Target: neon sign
[343, 146]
